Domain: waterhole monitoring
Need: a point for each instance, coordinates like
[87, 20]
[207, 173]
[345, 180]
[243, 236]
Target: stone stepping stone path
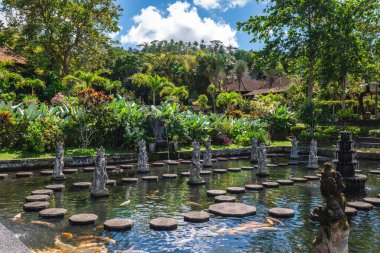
[360, 205]
[170, 176]
[299, 179]
[282, 164]
[111, 168]
[247, 168]
[285, 182]
[272, 165]
[34, 198]
[224, 198]
[53, 213]
[373, 201]
[205, 172]
[311, 178]
[55, 187]
[126, 166]
[236, 190]
[222, 159]
[281, 212]
[36, 206]
[111, 182]
[234, 169]
[46, 172]
[220, 171]
[150, 178]
[350, 211]
[232, 209]
[375, 172]
[211, 193]
[24, 174]
[254, 187]
[186, 162]
[130, 180]
[233, 158]
[83, 219]
[118, 224]
[158, 164]
[89, 169]
[196, 216]
[3, 176]
[163, 224]
[172, 163]
[70, 171]
[82, 185]
[42, 192]
[185, 174]
[271, 184]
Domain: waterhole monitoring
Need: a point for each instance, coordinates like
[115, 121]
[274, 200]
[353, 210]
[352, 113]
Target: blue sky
[187, 20]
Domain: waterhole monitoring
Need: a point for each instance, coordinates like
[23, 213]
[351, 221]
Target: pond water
[170, 198]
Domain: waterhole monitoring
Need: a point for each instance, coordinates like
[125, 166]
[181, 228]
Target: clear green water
[175, 197]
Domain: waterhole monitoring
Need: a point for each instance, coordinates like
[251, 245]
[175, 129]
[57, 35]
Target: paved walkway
[10, 243]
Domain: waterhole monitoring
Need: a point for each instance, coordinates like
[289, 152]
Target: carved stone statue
[142, 163]
[294, 149]
[254, 151]
[207, 163]
[334, 228]
[58, 162]
[262, 161]
[313, 158]
[100, 175]
[196, 166]
[158, 126]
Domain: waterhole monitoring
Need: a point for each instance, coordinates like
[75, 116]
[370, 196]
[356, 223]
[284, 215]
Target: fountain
[254, 151]
[100, 175]
[262, 161]
[346, 164]
[142, 164]
[294, 152]
[207, 163]
[313, 158]
[58, 162]
[196, 166]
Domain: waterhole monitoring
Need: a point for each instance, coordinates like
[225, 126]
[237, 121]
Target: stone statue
[294, 149]
[334, 228]
[158, 126]
[58, 162]
[100, 175]
[254, 151]
[142, 163]
[207, 163]
[313, 158]
[262, 161]
[196, 166]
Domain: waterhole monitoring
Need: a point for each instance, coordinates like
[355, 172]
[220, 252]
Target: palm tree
[86, 79]
[240, 69]
[178, 93]
[211, 89]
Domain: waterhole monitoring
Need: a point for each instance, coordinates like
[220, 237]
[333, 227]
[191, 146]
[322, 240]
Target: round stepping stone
[150, 178]
[111, 182]
[170, 176]
[224, 198]
[46, 172]
[299, 179]
[271, 184]
[186, 162]
[311, 178]
[350, 211]
[247, 168]
[360, 205]
[82, 185]
[318, 175]
[118, 224]
[70, 171]
[232, 209]
[378, 195]
[195, 216]
[158, 164]
[53, 212]
[234, 169]
[185, 174]
[205, 172]
[233, 158]
[24, 174]
[130, 180]
[163, 224]
[220, 171]
[83, 219]
[216, 192]
[222, 159]
[3, 176]
[116, 171]
[89, 169]
[373, 201]
[376, 172]
[285, 182]
[282, 164]
[281, 212]
[55, 187]
[254, 187]
[36, 206]
[111, 168]
[34, 198]
[214, 160]
[358, 171]
[42, 192]
[272, 165]
[172, 163]
[236, 190]
[126, 166]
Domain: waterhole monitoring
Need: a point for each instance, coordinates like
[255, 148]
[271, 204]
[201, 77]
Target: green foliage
[281, 120]
[228, 100]
[41, 136]
[201, 102]
[346, 114]
[374, 133]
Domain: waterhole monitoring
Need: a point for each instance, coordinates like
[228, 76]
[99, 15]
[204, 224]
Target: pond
[171, 198]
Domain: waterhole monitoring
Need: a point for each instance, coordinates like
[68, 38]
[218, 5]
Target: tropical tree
[228, 99]
[176, 93]
[81, 79]
[240, 69]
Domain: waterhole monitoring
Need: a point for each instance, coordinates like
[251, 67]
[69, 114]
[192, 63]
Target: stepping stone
[126, 166]
[236, 190]
[311, 178]
[116, 171]
[271, 165]
[42, 192]
[282, 164]
[214, 160]
[185, 174]
[36, 206]
[53, 213]
[271, 184]
[220, 171]
[111, 182]
[247, 168]
[195, 216]
[216, 192]
[262, 174]
[89, 169]
[205, 172]
[299, 179]
[170, 176]
[360, 205]
[376, 172]
[254, 187]
[234, 169]
[158, 164]
[111, 168]
[118, 224]
[70, 171]
[233, 158]
[55, 187]
[358, 171]
[172, 163]
[24, 174]
[244, 158]
[34, 198]
[3, 176]
[224, 198]
[232, 209]
[163, 224]
[130, 180]
[186, 162]
[318, 175]
[46, 172]
[378, 195]
[350, 211]
[222, 159]
[83, 219]
[281, 212]
[373, 201]
[285, 182]
[82, 185]
[150, 178]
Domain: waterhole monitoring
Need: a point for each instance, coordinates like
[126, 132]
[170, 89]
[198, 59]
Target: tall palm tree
[82, 79]
[178, 93]
[240, 69]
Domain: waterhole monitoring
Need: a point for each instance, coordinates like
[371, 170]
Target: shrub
[346, 114]
[41, 136]
[374, 133]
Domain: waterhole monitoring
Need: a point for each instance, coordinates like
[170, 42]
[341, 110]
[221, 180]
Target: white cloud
[220, 4]
[115, 34]
[181, 23]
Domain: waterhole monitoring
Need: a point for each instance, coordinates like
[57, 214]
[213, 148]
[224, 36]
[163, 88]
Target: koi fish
[17, 217]
[125, 203]
[43, 223]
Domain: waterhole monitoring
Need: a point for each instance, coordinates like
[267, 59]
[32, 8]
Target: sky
[186, 20]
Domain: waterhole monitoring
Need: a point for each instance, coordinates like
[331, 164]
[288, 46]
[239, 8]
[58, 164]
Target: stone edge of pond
[10, 243]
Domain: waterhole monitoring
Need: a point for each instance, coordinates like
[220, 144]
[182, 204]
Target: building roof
[6, 54]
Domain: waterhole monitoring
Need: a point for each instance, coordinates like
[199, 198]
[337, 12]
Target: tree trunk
[154, 97]
[343, 97]
[311, 86]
